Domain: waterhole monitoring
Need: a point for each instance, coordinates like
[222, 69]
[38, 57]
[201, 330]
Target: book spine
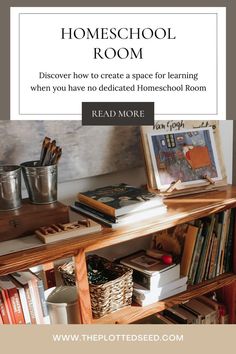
[208, 257]
[96, 212]
[219, 233]
[42, 297]
[92, 203]
[36, 301]
[24, 305]
[207, 233]
[224, 238]
[30, 304]
[222, 242]
[91, 215]
[196, 261]
[8, 306]
[195, 252]
[175, 316]
[208, 249]
[142, 279]
[3, 310]
[16, 306]
[213, 257]
[229, 247]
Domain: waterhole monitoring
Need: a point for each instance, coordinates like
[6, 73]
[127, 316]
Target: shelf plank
[135, 312]
[180, 210]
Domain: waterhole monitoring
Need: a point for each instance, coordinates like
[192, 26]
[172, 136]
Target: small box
[25, 220]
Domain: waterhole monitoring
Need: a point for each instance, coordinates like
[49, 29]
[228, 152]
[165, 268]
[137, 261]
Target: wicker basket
[108, 296]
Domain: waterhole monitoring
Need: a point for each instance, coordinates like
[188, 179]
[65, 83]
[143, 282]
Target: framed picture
[186, 155]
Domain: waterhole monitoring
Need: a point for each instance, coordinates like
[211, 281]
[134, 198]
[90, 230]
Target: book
[151, 299]
[120, 199]
[196, 252]
[229, 246]
[3, 311]
[206, 313]
[153, 282]
[180, 315]
[223, 221]
[189, 244]
[29, 282]
[144, 293]
[23, 282]
[224, 236]
[163, 319]
[146, 264]
[213, 304]
[208, 225]
[13, 299]
[120, 221]
[155, 319]
[23, 300]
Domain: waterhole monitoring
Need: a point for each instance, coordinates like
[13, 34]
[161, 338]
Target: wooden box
[25, 220]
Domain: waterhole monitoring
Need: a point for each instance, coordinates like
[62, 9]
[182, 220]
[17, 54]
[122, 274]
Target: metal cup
[41, 182]
[10, 187]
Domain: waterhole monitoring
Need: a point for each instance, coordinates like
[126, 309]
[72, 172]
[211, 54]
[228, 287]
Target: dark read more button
[117, 113]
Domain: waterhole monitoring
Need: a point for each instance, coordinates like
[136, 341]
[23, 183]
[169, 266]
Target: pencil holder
[10, 187]
[41, 182]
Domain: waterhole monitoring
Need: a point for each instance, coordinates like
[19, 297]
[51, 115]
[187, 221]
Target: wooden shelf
[133, 313]
[180, 210]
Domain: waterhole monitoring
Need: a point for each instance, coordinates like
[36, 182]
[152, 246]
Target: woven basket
[106, 297]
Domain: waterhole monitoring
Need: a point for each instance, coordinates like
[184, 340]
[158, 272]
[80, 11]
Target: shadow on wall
[87, 151]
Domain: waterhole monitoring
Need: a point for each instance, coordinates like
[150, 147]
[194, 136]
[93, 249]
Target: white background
[36, 46]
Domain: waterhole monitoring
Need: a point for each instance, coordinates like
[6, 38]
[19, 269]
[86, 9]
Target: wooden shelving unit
[180, 210]
[135, 312]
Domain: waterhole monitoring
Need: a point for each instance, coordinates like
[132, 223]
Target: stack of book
[22, 299]
[202, 310]
[119, 205]
[153, 280]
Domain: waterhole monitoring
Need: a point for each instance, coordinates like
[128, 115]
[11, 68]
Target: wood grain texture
[135, 312]
[227, 296]
[180, 210]
[84, 303]
[25, 220]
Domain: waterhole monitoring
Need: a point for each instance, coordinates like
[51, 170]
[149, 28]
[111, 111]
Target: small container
[10, 187]
[62, 305]
[41, 182]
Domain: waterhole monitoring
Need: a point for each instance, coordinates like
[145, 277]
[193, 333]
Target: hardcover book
[151, 299]
[159, 280]
[123, 220]
[159, 291]
[120, 199]
[146, 264]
